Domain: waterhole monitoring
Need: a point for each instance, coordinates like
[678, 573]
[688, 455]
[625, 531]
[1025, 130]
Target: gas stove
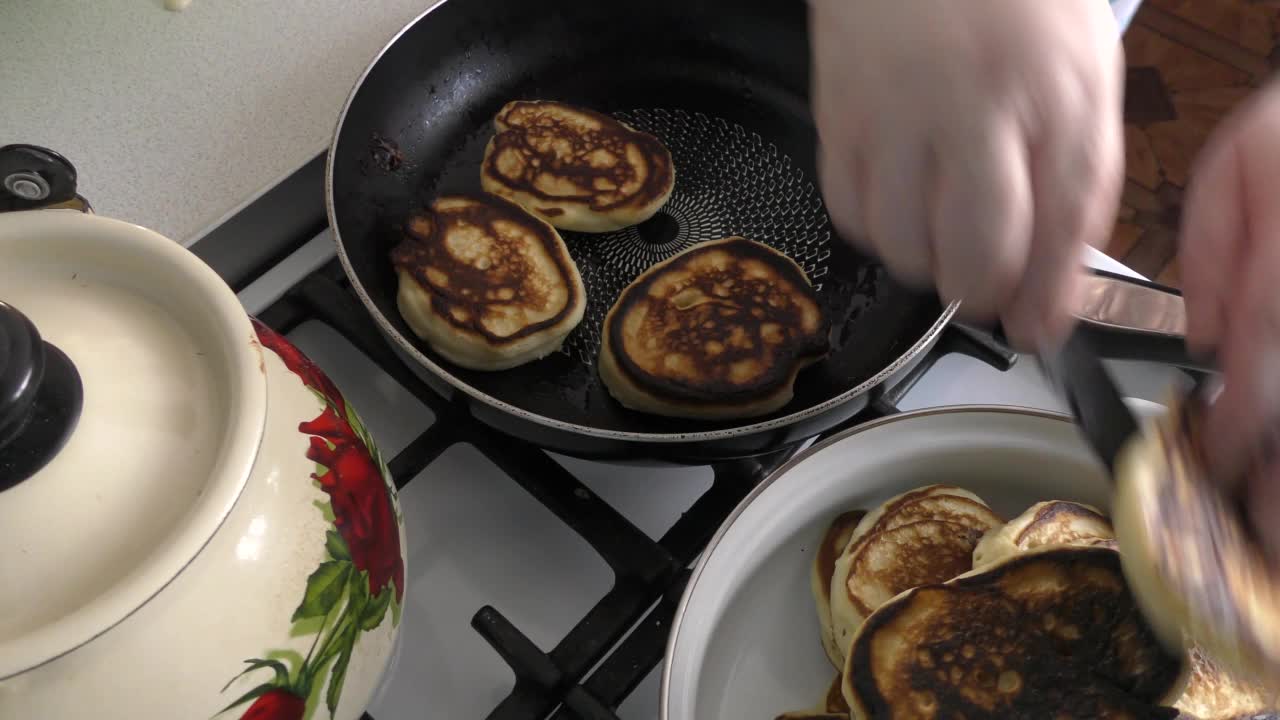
[539, 586]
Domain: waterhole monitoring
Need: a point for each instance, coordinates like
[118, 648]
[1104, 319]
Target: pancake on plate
[920, 537]
[719, 331]
[484, 283]
[1197, 569]
[576, 168]
[834, 541]
[1054, 633]
[1211, 692]
[1054, 522]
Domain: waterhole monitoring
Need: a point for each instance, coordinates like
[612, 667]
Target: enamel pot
[193, 522]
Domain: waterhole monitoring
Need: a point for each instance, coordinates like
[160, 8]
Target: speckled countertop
[175, 119]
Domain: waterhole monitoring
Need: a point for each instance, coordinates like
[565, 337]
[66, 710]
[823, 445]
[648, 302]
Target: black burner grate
[623, 637]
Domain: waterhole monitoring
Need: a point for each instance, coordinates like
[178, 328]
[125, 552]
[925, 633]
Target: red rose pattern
[361, 508]
[361, 504]
[365, 522]
[300, 365]
[276, 705]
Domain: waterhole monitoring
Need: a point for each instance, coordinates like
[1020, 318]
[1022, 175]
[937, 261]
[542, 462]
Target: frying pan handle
[1127, 318]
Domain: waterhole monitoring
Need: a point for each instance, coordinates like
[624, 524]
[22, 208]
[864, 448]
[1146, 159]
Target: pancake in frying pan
[486, 284]
[576, 168]
[719, 331]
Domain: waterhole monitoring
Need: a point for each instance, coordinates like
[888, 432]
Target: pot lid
[132, 401]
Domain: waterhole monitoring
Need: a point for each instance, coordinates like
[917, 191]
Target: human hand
[975, 147]
[1230, 258]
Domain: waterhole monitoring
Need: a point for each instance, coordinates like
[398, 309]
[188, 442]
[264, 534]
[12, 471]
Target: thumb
[1264, 507]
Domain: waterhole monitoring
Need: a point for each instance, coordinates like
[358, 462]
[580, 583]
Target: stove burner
[622, 638]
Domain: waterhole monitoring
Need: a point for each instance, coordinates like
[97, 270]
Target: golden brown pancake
[575, 168]
[719, 331]
[1055, 522]
[833, 543]
[486, 284]
[1211, 692]
[1199, 574]
[920, 537]
[1052, 634]
[1214, 694]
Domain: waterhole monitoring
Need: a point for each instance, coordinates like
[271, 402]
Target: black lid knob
[40, 398]
[34, 177]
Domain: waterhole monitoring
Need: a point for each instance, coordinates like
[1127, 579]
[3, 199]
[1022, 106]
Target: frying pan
[725, 84]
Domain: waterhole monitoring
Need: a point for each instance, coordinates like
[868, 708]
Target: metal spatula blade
[1081, 378]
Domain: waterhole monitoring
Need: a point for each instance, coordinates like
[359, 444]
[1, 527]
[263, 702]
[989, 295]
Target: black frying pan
[724, 83]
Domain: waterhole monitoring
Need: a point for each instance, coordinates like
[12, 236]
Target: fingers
[895, 200]
[1077, 166]
[1264, 507]
[1249, 351]
[842, 191]
[982, 217]
[1211, 240]
[1244, 317]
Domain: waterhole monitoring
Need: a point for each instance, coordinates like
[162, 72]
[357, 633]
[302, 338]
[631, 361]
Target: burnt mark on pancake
[462, 291]
[537, 149]
[721, 321]
[1079, 650]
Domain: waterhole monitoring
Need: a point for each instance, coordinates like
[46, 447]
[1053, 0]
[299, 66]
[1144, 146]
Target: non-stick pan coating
[417, 126]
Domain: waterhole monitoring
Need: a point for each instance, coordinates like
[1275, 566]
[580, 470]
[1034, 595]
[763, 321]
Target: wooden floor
[1190, 62]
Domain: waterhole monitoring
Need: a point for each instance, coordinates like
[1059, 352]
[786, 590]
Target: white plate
[745, 640]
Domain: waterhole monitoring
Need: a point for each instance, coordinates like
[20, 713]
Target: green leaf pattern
[337, 592]
[336, 546]
[324, 589]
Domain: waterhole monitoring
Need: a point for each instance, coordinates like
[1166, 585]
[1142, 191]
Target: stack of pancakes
[931, 607]
[720, 331]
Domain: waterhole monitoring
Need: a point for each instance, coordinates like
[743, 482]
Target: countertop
[175, 119]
